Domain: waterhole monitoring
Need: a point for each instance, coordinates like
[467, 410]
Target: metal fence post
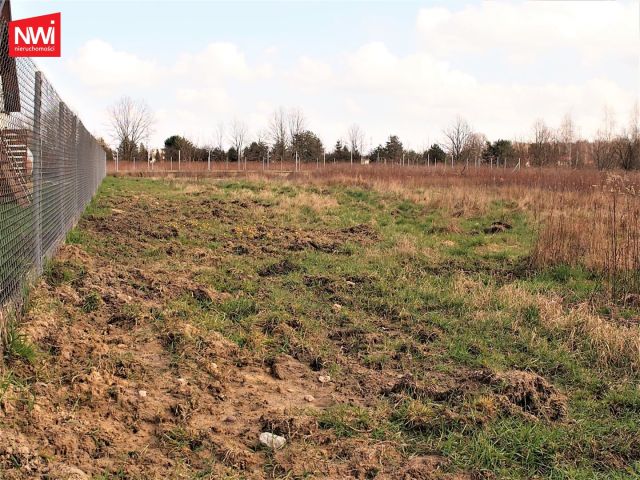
[74, 136]
[37, 171]
[62, 142]
[50, 167]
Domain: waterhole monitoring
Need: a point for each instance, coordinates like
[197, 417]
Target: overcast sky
[407, 68]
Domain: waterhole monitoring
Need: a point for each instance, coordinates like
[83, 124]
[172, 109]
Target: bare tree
[541, 146]
[296, 121]
[219, 136]
[457, 139]
[355, 137]
[278, 133]
[634, 121]
[131, 122]
[297, 124]
[475, 147]
[238, 137]
[261, 136]
[602, 147]
[218, 141]
[566, 135]
[634, 134]
[626, 146]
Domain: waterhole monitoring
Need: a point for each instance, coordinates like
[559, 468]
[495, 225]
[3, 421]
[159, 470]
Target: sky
[404, 68]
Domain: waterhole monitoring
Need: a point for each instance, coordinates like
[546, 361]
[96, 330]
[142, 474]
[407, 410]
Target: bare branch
[131, 122]
[457, 138]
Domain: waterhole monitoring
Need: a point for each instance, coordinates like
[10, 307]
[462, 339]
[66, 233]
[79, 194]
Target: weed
[91, 302]
[18, 346]
[238, 308]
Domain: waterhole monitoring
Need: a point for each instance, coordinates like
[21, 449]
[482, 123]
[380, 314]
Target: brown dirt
[118, 390]
[497, 227]
[527, 393]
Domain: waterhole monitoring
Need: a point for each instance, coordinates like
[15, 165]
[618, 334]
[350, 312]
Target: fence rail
[50, 167]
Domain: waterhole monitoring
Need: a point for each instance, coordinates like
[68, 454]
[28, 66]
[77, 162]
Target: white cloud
[218, 62]
[100, 66]
[353, 107]
[374, 66]
[420, 90]
[457, 68]
[526, 31]
[212, 100]
[310, 74]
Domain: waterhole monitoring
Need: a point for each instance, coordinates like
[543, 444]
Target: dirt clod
[282, 267]
[529, 392]
[497, 227]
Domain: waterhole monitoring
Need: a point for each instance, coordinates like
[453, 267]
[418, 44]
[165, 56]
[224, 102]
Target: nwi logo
[35, 36]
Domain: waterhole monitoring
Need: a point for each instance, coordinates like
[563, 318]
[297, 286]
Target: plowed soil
[181, 321]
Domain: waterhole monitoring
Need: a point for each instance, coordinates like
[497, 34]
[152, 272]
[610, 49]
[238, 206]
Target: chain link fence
[50, 167]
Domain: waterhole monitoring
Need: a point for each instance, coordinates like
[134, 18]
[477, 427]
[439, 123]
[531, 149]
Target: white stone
[272, 441]
[324, 378]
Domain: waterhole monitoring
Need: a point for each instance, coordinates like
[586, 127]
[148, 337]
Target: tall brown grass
[600, 233]
[414, 176]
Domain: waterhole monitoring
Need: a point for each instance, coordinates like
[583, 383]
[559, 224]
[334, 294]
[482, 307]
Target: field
[389, 326]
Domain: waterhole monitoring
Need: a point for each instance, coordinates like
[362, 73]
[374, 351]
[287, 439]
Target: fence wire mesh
[50, 167]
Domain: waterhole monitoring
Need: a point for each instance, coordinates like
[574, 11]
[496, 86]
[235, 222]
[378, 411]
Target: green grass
[18, 347]
[421, 292]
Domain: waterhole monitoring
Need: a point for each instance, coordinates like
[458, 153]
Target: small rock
[337, 307]
[67, 472]
[272, 441]
[212, 368]
[142, 393]
[230, 419]
[309, 398]
[324, 378]
[123, 298]
[182, 381]
[350, 283]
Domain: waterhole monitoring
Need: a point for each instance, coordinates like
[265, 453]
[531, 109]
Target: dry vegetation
[463, 326]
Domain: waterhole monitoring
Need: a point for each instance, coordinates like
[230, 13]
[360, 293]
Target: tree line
[288, 138]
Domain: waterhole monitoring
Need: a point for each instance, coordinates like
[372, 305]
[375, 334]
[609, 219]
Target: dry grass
[584, 218]
[308, 200]
[430, 346]
[614, 344]
[602, 235]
